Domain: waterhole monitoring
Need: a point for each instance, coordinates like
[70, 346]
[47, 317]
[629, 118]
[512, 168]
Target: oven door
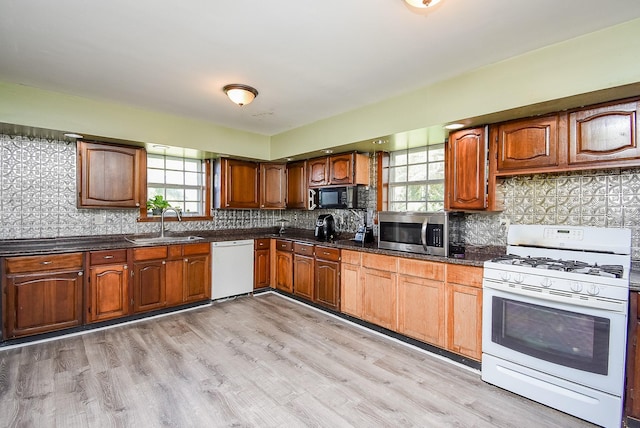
[576, 343]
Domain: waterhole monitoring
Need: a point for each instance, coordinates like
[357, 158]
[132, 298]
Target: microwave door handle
[423, 234]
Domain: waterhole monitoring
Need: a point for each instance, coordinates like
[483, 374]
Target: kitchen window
[183, 182]
[416, 179]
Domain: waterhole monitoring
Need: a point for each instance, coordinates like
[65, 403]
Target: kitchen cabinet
[297, 191]
[42, 294]
[261, 263]
[346, 169]
[188, 273]
[421, 300]
[327, 277]
[284, 265]
[632, 401]
[236, 184]
[605, 135]
[526, 145]
[379, 290]
[110, 176]
[107, 295]
[273, 185]
[466, 165]
[350, 284]
[464, 310]
[303, 270]
[149, 278]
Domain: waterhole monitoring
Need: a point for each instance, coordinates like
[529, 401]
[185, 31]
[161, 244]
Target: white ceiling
[308, 59]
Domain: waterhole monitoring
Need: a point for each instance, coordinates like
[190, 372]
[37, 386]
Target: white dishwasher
[231, 268]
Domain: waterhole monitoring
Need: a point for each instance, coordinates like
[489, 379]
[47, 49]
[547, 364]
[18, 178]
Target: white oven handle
[591, 302]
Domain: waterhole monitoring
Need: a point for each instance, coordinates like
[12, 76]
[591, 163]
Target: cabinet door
[297, 185]
[303, 272]
[341, 169]
[605, 135]
[351, 290]
[261, 272]
[379, 297]
[421, 306]
[109, 176]
[632, 403]
[273, 185]
[466, 177]
[527, 144]
[284, 271]
[464, 320]
[108, 292]
[197, 278]
[327, 288]
[149, 285]
[42, 302]
[318, 172]
[236, 184]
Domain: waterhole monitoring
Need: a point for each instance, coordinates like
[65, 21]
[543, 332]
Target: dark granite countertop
[475, 256]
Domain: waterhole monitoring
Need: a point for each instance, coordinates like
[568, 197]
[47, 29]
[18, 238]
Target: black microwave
[338, 197]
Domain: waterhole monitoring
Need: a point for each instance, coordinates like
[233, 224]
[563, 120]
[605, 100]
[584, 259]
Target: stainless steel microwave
[416, 232]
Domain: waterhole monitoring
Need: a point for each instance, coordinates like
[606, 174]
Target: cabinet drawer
[107, 257]
[70, 261]
[422, 269]
[300, 248]
[282, 245]
[379, 262]
[262, 244]
[193, 249]
[351, 257]
[327, 253]
[464, 275]
[150, 253]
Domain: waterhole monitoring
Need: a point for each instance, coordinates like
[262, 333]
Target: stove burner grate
[575, 266]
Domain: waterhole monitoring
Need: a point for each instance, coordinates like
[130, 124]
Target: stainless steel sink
[163, 240]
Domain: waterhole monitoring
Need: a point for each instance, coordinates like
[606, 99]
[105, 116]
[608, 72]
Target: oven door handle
[423, 235]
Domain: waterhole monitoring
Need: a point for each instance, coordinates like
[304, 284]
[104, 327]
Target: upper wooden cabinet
[273, 185]
[110, 176]
[236, 184]
[343, 169]
[297, 194]
[526, 144]
[605, 135]
[466, 177]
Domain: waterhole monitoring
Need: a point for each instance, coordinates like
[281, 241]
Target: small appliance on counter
[364, 235]
[325, 228]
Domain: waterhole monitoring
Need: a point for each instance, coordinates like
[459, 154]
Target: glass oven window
[566, 338]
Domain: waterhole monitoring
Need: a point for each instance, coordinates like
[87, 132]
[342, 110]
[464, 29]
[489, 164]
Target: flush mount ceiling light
[422, 3]
[240, 94]
[73, 135]
[453, 126]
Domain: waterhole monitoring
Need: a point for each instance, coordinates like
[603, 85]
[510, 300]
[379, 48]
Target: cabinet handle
[325, 253]
[186, 260]
[45, 263]
[164, 262]
[107, 257]
[80, 273]
[125, 267]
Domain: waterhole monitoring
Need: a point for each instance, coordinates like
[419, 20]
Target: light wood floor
[259, 361]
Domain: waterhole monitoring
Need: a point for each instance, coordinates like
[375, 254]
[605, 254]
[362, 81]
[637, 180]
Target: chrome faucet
[162, 219]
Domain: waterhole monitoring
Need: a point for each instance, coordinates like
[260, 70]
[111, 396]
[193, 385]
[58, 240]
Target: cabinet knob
[108, 257]
[80, 273]
[137, 204]
[45, 263]
[186, 260]
[125, 267]
[164, 262]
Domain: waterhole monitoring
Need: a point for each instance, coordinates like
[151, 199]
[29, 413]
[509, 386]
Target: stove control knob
[505, 276]
[576, 287]
[519, 279]
[593, 290]
[546, 282]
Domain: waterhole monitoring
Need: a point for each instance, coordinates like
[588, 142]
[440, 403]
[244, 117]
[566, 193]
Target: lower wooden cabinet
[261, 263]
[149, 285]
[379, 290]
[42, 294]
[284, 266]
[303, 270]
[421, 301]
[350, 285]
[632, 402]
[464, 310]
[108, 287]
[327, 277]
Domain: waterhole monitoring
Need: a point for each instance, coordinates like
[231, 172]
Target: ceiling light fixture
[422, 3]
[240, 94]
[453, 126]
[73, 135]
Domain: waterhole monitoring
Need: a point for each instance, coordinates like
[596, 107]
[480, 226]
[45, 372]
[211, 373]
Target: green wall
[600, 60]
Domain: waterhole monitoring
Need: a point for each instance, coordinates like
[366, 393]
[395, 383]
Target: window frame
[144, 214]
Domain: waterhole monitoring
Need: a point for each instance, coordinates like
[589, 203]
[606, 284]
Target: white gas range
[555, 318]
